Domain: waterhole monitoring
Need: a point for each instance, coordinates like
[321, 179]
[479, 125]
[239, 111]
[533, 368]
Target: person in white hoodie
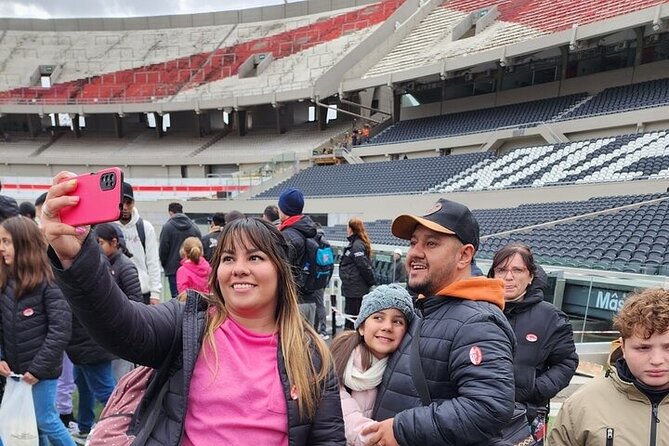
[360, 355]
[143, 245]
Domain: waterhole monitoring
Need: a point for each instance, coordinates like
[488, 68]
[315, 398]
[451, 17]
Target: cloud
[23, 9]
[121, 8]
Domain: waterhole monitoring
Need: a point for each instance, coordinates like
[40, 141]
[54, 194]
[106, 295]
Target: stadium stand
[517, 21]
[525, 114]
[617, 158]
[380, 178]
[150, 71]
[619, 233]
[627, 97]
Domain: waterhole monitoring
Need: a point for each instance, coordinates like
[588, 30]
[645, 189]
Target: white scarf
[355, 379]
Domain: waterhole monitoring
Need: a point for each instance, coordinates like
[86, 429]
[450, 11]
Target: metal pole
[333, 305]
[587, 307]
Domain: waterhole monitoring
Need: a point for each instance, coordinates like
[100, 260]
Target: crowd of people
[444, 355]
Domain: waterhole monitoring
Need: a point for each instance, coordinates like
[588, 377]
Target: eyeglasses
[514, 271]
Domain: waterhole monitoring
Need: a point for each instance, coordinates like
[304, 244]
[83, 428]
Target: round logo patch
[28, 312]
[531, 337]
[475, 355]
[435, 207]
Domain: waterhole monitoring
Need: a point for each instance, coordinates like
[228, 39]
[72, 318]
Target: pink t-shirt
[244, 403]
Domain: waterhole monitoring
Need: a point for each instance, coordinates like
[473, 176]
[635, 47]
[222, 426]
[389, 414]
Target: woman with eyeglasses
[545, 358]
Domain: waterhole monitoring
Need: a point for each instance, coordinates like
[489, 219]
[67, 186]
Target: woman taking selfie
[251, 371]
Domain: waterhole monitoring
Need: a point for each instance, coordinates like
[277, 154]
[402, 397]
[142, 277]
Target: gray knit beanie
[382, 298]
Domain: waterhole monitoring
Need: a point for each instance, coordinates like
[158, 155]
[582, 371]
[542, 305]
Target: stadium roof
[47, 9]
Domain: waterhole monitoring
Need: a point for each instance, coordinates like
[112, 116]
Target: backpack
[115, 419]
[117, 422]
[318, 263]
[141, 233]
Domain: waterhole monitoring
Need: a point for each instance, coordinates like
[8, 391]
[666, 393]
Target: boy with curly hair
[629, 405]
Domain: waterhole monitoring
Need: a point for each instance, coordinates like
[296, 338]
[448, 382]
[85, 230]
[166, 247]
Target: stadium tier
[616, 158]
[618, 233]
[140, 67]
[619, 99]
[518, 20]
[516, 115]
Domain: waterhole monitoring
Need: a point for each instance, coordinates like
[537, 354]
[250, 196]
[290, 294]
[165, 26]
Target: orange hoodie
[477, 288]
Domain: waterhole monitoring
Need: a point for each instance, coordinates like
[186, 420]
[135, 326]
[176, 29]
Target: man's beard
[424, 288]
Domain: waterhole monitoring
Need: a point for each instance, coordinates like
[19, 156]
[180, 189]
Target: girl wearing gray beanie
[361, 355]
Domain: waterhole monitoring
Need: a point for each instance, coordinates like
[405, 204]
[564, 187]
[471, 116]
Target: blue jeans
[94, 382]
[51, 429]
[172, 280]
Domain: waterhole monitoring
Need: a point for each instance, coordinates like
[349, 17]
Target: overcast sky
[45, 9]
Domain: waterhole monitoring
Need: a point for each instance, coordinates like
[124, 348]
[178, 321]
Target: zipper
[609, 436]
[654, 421]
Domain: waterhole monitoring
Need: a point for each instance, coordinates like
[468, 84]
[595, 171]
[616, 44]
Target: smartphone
[100, 198]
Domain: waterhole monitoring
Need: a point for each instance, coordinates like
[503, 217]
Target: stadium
[547, 118]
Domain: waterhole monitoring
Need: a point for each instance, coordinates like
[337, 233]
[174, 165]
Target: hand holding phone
[100, 198]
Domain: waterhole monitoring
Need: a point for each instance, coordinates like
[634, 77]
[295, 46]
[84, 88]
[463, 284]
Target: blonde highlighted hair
[296, 337]
[191, 249]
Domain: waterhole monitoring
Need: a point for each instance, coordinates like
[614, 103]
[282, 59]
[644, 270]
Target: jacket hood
[476, 288]
[180, 221]
[305, 225]
[201, 269]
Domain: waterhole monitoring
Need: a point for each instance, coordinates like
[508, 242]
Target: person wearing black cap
[296, 228]
[8, 207]
[464, 344]
[142, 243]
[210, 240]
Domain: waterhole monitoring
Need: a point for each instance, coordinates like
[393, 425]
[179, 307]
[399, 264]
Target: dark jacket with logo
[355, 269]
[34, 330]
[466, 352]
[545, 358]
[177, 229]
[149, 331]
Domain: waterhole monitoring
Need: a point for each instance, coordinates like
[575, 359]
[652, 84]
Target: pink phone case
[100, 198]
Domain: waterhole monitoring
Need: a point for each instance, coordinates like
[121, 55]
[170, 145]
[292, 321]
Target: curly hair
[644, 313]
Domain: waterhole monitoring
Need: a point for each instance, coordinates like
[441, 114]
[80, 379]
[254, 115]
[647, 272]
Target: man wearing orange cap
[464, 344]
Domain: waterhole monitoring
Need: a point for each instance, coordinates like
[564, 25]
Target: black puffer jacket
[177, 229]
[126, 276]
[148, 334]
[83, 349]
[34, 330]
[545, 358]
[466, 351]
[355, 269]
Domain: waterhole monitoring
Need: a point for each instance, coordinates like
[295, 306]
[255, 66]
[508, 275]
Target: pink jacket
[357, 408]
[193, 275]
